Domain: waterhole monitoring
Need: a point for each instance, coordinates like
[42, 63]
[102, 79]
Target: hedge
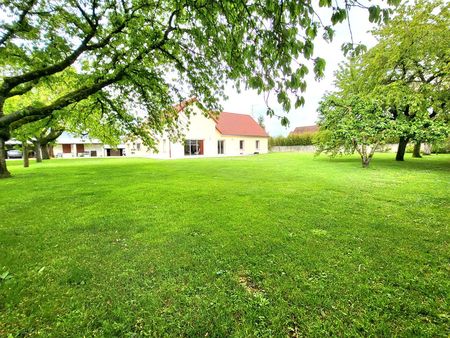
[305, 139]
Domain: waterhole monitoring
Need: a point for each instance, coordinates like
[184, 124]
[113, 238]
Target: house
[305, 130]
[68, 145]
[227, 134]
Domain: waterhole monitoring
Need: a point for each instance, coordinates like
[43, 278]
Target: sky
[249, 102]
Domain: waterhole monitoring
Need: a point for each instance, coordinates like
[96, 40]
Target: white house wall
[88, 147]
[199, 128]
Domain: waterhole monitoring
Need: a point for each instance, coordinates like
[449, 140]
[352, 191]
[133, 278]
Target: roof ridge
[228, 112]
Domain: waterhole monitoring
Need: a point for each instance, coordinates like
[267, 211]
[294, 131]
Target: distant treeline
[305, 139]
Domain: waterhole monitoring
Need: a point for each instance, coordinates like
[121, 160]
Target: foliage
[442, 147]
[137, 247]
[409, 69]
[82, 118]
[144, 56]
[260, 121]
[305, 139]
[352, 121]
[388, 92]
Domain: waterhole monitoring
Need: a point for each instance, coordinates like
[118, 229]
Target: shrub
[292, 140]
[409, 148]
[442, 147]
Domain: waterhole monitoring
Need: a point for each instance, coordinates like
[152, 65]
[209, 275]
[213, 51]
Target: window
[138, 146]
[193, 147]
[220, 146]
[241, 144]
[164, 150]
[257, 144]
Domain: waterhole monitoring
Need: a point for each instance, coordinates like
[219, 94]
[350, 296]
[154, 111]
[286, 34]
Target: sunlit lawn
[270, 245]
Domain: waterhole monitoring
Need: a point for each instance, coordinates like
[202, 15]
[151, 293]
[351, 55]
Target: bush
[292, 140]
[409, 148]
[442, 147]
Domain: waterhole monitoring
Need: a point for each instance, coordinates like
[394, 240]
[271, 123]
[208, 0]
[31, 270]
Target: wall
[300, 149]
[58, 150]
[389, 148]
[199, 127]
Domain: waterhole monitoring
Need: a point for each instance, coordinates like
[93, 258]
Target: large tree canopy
[351, 119]
[399, 88]
[410, 69]
[150, 54]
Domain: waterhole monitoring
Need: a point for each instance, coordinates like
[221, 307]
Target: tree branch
[16, 26]
[31, 113]
[10, 83]
[20, 91]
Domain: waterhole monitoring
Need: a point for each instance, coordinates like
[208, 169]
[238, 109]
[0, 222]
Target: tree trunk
[365, 161]
[26, 160]
[4, 173]
[44, 152]
[416, 151]
[37, 150]
[403, 142]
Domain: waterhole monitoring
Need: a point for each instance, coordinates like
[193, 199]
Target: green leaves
[297, 78]
[299, 102]
[284, 100]
[328, 34]
[308, 49]
[131, 50]
[339, 15]
[325, 3]
[284, 121]
[319, 67]
[386, 92]
[311, 31]
[374, 13]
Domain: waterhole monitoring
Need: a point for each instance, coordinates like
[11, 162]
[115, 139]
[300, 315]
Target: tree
[261, 121]
[47, 137]
[352, 123]
[399, 88]
[146, 55]
[410, 68]
[41, 134]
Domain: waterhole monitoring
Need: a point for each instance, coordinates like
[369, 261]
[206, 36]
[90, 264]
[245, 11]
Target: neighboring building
[228, 134]
[68, 145]
[305, 130]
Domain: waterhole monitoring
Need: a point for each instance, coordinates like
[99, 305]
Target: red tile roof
[305, 129]
[239, 125]
[230, 123]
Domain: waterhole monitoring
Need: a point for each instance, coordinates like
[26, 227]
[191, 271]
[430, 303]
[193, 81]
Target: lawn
[270, 245]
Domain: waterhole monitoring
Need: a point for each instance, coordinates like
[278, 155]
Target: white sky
[249, 102]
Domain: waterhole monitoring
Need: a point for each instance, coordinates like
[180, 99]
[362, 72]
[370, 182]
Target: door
[80, 148]
[200, 151]
[114, 152]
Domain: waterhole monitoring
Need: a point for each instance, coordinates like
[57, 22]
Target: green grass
[270, 245]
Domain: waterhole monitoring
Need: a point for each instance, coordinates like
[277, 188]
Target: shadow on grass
[387, 161]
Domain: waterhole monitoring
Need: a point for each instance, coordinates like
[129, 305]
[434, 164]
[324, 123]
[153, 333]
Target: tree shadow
[440, 162]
